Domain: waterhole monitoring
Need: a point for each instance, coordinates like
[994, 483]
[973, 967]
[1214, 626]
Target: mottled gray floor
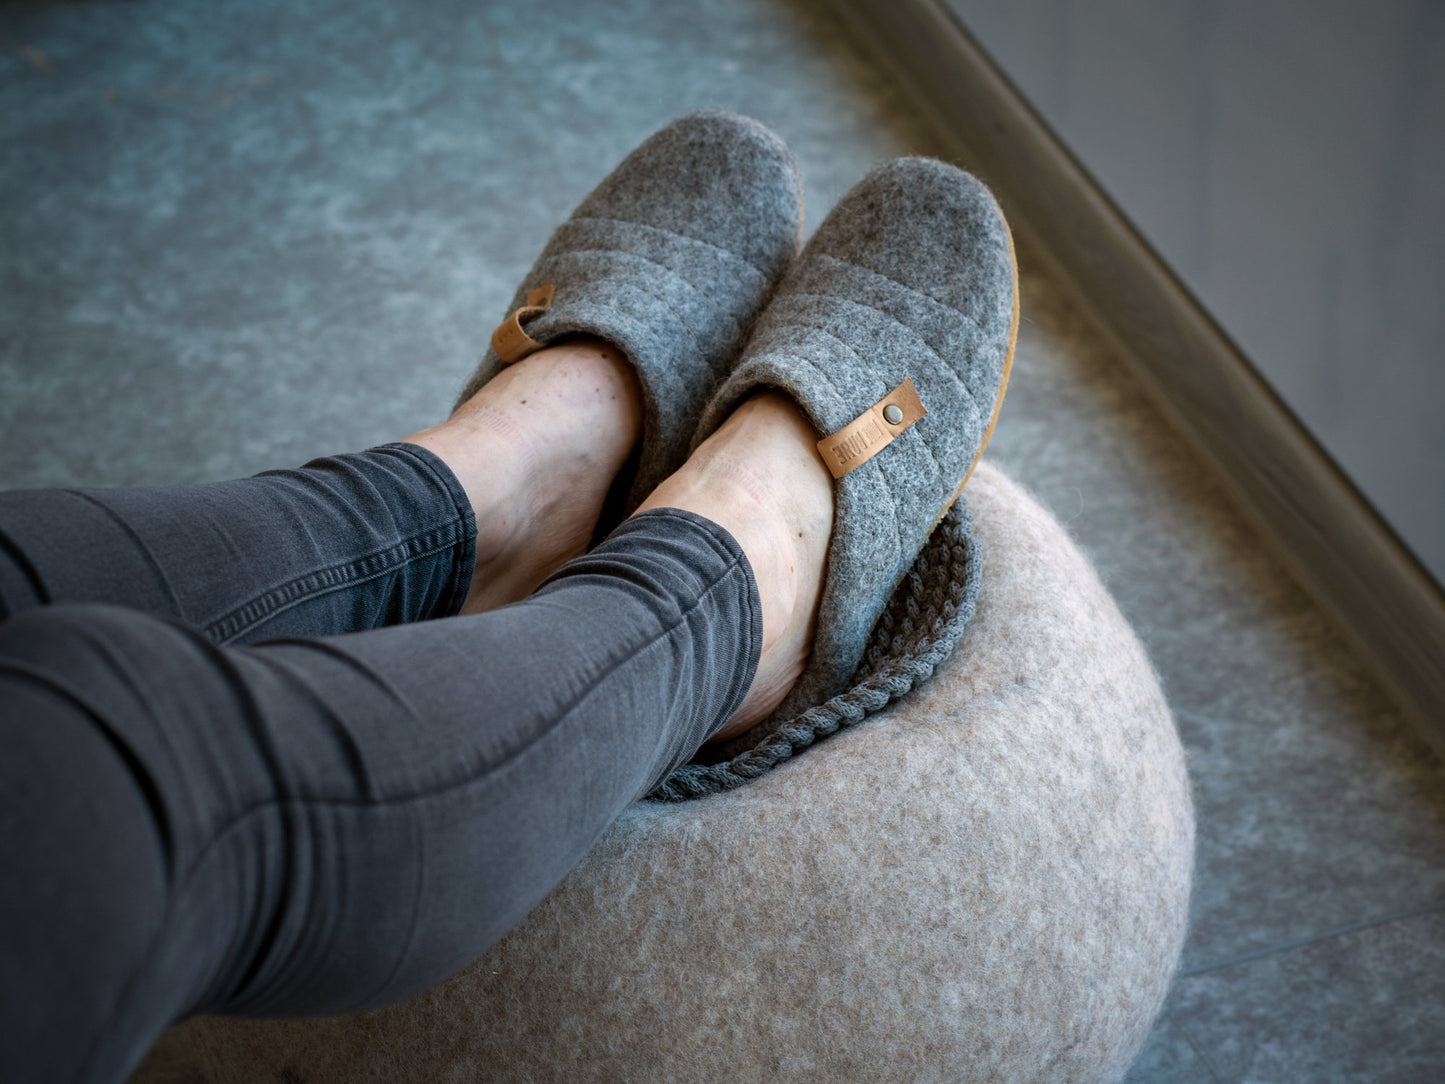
[238, 235]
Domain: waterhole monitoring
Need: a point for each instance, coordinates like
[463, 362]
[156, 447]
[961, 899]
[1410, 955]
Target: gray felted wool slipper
[670, 259]
[894, 332]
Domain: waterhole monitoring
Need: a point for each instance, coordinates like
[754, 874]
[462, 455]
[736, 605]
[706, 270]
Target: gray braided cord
[917, 631]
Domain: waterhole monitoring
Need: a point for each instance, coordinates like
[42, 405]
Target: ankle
[536, 450]
[478, 433]
[760, 478]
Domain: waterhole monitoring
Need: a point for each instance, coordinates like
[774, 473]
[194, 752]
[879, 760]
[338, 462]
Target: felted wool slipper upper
[894, 332]
[670, 259]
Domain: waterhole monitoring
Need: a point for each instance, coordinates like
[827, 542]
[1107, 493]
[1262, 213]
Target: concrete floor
[237, 235]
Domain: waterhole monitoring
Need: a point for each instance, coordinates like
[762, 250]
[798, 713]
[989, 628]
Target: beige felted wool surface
[987, 881]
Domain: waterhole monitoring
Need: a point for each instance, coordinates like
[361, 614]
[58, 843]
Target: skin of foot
[536, 450]
[760, 477]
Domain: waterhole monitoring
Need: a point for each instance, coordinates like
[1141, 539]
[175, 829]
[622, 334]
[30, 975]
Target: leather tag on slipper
[510, 341]
[873, 430]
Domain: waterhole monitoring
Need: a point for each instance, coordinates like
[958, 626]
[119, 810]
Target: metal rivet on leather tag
[872, 431]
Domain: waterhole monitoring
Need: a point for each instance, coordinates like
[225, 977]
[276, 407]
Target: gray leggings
[251, 762]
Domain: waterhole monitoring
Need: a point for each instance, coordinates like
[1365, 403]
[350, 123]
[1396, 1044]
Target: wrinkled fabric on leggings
[252, 761]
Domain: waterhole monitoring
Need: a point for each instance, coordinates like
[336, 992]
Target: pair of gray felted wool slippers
[894, 332]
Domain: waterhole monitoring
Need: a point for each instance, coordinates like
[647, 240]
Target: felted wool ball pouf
[987, 881]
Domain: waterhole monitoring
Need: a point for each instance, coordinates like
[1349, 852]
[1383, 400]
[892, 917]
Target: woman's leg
[306, 827]
[349, 542]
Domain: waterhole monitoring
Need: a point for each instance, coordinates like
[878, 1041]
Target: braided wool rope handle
[918, 630]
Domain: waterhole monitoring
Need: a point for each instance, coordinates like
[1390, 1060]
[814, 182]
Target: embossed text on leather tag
[873, 430]
[510, 341]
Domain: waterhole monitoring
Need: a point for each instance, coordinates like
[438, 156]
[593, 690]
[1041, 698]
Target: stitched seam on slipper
[680, 236]
[863, 361]
[563, 325]
[697, 339]
[671, 272]
[949, 369]
[902, 286]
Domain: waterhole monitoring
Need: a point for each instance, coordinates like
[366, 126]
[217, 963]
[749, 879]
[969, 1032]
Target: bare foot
[760, 477]
[536, 450]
